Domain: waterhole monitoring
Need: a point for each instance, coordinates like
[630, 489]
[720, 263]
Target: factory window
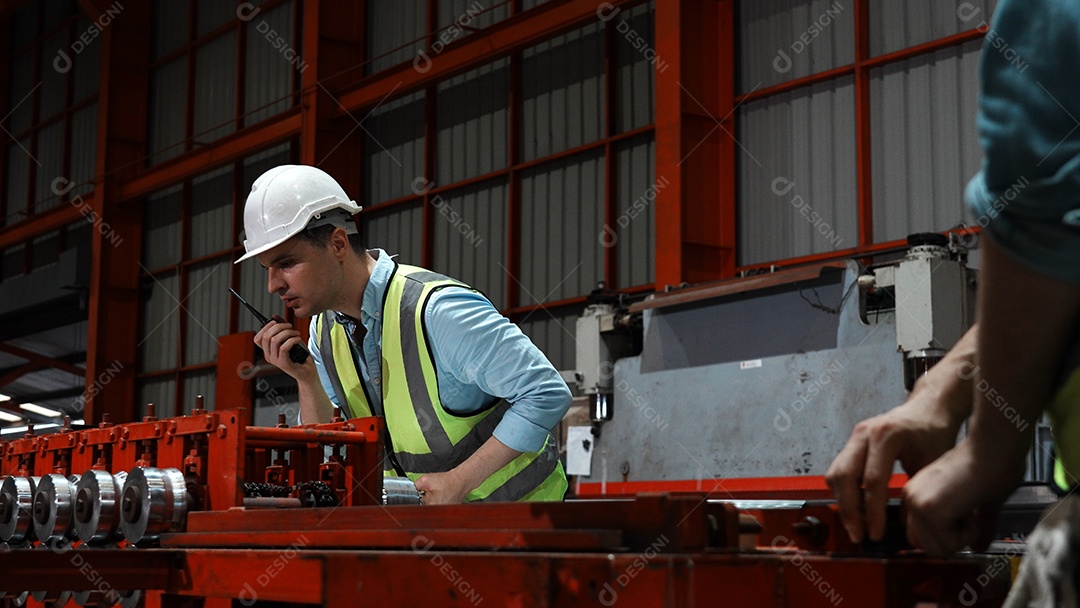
[855, 123]
[52, 91]
[527, 177]
[219, 66]
[191, 233]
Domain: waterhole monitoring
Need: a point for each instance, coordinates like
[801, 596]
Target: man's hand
[954, 502]
[443, 488]
[276, 339]
[914, 433]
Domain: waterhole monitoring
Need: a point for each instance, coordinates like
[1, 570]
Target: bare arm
[1025, 322]
[453, 486]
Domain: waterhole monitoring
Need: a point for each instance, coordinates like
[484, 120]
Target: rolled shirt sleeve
[1027, 195]
[481, 355]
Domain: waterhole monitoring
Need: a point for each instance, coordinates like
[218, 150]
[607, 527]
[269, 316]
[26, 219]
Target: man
[1017, 359]
[469, 401]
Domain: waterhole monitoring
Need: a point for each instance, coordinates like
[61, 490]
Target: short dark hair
[319, 236]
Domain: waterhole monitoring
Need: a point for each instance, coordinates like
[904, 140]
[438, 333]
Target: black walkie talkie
[298, 353]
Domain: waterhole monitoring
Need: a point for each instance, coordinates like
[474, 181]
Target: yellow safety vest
[1064, 414]
[424, 437]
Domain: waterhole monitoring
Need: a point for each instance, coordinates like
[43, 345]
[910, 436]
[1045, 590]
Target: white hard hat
[289, 198]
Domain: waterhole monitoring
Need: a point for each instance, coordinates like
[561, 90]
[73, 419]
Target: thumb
[422, 483]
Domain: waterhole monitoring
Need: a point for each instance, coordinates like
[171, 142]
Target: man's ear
[339, 243]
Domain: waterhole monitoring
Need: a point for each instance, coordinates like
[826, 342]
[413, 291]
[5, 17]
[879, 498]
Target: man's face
[302, 275]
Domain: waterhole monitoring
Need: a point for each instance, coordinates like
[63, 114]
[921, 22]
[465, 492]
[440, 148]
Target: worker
[469, 401]
[1016, 362]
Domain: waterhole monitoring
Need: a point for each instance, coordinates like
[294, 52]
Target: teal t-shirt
[1027, 195]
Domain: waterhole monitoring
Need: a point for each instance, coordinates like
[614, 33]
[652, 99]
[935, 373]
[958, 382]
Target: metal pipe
[305, 435]
[266, 502]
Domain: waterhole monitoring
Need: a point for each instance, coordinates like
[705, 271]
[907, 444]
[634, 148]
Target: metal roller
[154, 502]
[16, 509]
[56, 598]
[96, 597]
[53, 507]
[400, 491]
[130, 599]
[97, 505]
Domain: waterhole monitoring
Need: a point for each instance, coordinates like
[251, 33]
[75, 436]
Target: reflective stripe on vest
[427, 438]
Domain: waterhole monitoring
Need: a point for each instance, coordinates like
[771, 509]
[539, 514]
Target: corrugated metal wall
[469, 14]
[161, 228]
[207, 307]
[170, 27]
[797, 192]
[925, 144]
[160, 324]
[398, 232]
[472, 123]
[268, 76]
[553, 333]
[634, 72]
[50, 156]
[635, 226]
[211, 212]
[393, 149]
[470, 237]
[168, 92]
[396, 32]
[898, 25]
[562, 218]
[563, 92]
[215, 88]
[797, 182]
[771, 39]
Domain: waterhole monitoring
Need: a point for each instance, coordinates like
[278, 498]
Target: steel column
[693, 126]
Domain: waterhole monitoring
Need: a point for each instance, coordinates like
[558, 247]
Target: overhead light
[79, 421]
[37, 409]
[9, 417]
[4, 398]
[22, 429]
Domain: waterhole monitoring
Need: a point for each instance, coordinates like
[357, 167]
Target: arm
[480, 348]
[1026, 320]
[916, 433]
[275, 339]
[1029, 293]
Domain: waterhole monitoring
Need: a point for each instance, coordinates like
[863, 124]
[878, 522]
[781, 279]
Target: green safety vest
[1064, 414]
[424, 436]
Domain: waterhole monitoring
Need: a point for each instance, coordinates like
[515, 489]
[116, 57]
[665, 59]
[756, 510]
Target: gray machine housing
[768, 382]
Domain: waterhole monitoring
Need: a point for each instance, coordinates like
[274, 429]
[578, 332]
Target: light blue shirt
[480, 357]
[1027, 195]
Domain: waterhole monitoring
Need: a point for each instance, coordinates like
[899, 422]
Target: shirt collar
[372, 303]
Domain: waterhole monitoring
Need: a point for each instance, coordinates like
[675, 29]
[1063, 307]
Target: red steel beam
[515, 33]
[863, 151]
[42, 360]
[234, 147]
[114, 307]
[693, 125]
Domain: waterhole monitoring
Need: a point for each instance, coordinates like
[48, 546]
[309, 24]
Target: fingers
[276, 339]
[845, 477]
[883, 451]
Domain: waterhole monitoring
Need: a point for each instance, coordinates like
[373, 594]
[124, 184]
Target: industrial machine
[165, 514]
[706, 448]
